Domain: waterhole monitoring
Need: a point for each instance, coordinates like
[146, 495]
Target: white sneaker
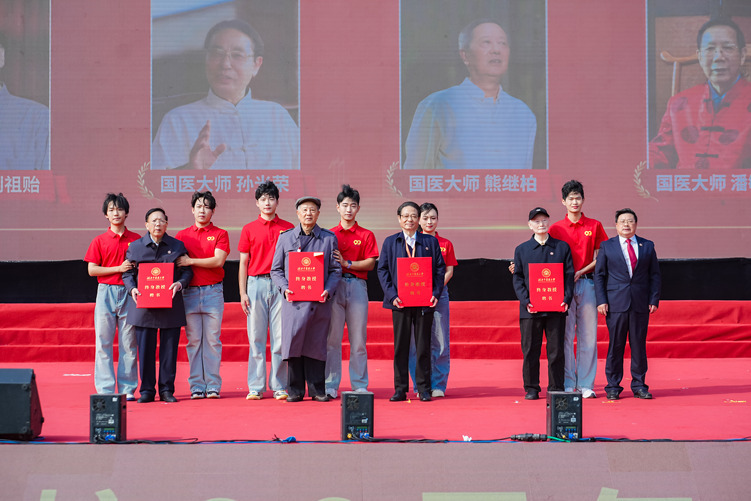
[254, 395]
[331, 392]
[362, 390]
[130, 397]
[570, 390]
[281, 395]
[587, 393]
[437, 393]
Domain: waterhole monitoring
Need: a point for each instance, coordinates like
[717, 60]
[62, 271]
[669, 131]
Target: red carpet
[479, 330]
[700, 399]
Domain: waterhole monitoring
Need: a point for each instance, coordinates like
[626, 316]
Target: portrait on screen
[24, 85]
[473, 84]
[700, 99]
[225, 85]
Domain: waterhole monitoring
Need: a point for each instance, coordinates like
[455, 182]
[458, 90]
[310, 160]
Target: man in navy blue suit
[627, 287]
[410, 243]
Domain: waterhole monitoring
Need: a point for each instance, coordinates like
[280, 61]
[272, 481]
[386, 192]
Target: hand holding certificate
[546, 289]
[155, 285]
[305, 276]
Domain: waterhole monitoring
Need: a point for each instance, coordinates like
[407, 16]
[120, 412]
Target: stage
[283, 450]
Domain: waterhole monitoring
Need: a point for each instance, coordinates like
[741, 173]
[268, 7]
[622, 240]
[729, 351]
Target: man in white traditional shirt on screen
[474, 125]
[228, 129]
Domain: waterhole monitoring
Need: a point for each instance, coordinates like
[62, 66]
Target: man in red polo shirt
[584, 236]
[260, 299]
[208, 247]
[106, 261]
[357, 255]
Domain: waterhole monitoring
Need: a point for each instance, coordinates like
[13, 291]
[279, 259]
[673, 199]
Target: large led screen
[482, 107]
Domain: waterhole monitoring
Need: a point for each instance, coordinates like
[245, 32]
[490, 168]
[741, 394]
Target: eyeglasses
[235, 56]
[725, 49]
[627, 221]
[413, 217]
[158, 221]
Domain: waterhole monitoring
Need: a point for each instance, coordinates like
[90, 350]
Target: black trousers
[404, 320]
[302, 369]
[623, 325]
[554, 327]
[168, 341]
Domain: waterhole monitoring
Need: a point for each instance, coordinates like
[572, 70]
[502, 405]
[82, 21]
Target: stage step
[481, 330]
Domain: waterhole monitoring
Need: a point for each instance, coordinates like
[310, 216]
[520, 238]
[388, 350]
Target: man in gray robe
[305, 324]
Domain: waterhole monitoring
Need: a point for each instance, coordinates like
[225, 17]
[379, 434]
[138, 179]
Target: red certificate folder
[415, 280]
[154, 280]
[546, 286]
[306, 276]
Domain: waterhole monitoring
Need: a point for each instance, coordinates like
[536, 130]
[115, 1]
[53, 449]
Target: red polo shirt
[201, 243]
[447, 249]
[108, 249]
[583, 236]
[356, 244]
[258, 239]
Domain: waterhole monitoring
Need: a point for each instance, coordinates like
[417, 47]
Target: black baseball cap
[537, 210]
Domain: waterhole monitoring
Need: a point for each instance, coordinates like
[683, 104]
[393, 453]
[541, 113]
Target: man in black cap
[305, 324]
[542, 248]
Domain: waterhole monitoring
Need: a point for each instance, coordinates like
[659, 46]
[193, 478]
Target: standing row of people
[306, 336]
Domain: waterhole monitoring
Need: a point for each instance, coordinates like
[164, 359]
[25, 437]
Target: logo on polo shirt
[306, 261]
[357, 242]
[588, 233]
[211, 238]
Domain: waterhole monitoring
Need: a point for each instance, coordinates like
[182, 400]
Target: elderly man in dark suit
[157, 247]
[627, 287]
[410, 243]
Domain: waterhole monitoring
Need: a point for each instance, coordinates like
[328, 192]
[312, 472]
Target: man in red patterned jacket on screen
[709, 126]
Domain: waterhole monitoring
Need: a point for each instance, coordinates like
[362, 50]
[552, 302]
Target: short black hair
[427, 207]
[572, 186]
[626, 211]
[465, 36]
[119, 200]
[153, 210]
[239, 25]
[722, 21]
[208, 199]
[348, 192]
[407, 204]
[267, 188]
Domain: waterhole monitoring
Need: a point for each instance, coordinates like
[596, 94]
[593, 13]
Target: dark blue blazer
[393, 248]
[613, 285]
[145, 250]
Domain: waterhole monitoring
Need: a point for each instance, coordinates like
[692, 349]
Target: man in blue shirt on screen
[474, 125]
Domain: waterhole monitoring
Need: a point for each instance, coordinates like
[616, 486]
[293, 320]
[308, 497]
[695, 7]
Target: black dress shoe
[532, 395]
[321, 398]
[612, 395]
[425, 396]
[399, 396]
[146, 398]
[643, 394]
[294, 398]
[167, 397]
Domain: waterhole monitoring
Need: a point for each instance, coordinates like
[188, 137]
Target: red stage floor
[695, 399]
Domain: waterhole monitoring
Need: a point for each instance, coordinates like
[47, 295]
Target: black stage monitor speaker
[357, 415]
[107, 423]
[565, 415]
[21, 417]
